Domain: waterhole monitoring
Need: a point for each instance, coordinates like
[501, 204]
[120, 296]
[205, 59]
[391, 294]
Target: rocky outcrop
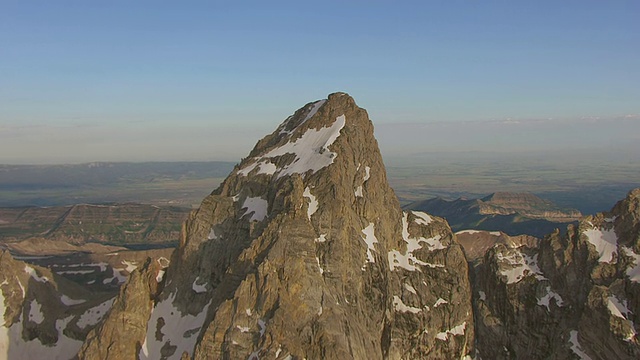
[304, 252]
[511, 213]
[131, 308]
[42, 315]
[575, 296]
[476, 243]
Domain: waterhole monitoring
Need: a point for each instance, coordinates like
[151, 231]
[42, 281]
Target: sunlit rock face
[302, 252]
[576, 295]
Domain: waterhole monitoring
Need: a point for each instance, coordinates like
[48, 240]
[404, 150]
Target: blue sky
[124, 80]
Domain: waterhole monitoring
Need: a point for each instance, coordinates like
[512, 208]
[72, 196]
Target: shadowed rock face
[303, 251]
[43, 315]
[575, 296]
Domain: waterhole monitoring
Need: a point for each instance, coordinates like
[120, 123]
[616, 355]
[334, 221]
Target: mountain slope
[43, 315]
[304, 252]
[511, 213]
[575, 296]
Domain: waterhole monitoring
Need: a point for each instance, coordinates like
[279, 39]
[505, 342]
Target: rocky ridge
[303, 252]
[43, 315]
[577, 295]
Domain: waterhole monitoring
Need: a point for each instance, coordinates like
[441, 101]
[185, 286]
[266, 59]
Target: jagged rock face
[304, 252]
[575, 296]
[42, 315]
[476, 243]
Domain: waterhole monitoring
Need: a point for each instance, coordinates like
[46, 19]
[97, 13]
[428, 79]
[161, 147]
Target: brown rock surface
[303, 251]
[575, 296]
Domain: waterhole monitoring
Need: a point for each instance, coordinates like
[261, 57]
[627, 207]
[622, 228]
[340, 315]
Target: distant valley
[511, 213]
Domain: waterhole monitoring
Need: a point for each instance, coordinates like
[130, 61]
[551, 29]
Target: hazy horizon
[145, 81]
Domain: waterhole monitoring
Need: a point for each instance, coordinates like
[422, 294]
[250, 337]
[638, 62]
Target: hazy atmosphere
[140, 81]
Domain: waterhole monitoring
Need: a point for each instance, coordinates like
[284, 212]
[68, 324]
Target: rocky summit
[302, 252]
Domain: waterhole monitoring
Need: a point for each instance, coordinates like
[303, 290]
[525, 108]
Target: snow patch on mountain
[517, 265]
[370, 239]
[408, 260]
[175, 329]
[95, 314]
[605, 242]
[311, 151]
[544, 301]
[313, 202]
[70, 302]
[455, 331]
[257, 207]
[401, 307]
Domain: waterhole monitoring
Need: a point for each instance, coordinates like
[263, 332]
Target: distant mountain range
[511, 213]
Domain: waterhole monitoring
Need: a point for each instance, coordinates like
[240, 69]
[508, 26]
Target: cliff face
[575, 296]
[304, 252]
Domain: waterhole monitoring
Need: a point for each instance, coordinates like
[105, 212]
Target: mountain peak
[303, 143]
[304, 251]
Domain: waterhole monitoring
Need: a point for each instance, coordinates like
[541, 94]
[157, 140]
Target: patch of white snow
[31, 271]
[130, 265]
[319, 266]
[95, 314]
[407, 260]
[575, 346]
[422, 218]
[198, 288]
[470, 232]
[35, 312]
[410, 288]
[313, 202]
[370, 239]
[311, 150]
[605, 242]
[160, 275]
[179, 330]
[70, 302]
[439, 302]
[544, 301]
[456, 331]
[257, 207]
[367, 173]
[400, 306]
[519, 266]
